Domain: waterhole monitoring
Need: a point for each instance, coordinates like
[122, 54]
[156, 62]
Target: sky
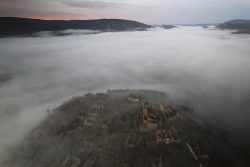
[147, 11]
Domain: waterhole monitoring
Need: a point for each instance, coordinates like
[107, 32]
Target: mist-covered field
[206, 69]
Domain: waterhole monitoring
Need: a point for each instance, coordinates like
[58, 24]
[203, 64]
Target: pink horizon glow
[65, 18]
[146, 19]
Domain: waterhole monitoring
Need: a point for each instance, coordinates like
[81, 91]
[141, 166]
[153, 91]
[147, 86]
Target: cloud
[206, 69]
[111, 3]
[65, 32]
[91, 4]
[38, 9]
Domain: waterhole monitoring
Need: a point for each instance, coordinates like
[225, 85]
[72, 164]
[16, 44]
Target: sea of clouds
[206, 69]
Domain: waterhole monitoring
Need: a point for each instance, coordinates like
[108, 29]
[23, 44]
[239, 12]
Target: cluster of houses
[155, 119]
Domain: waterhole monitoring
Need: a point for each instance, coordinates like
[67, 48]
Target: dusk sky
[147, 11]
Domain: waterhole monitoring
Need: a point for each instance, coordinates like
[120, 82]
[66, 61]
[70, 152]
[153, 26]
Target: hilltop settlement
[122, 128]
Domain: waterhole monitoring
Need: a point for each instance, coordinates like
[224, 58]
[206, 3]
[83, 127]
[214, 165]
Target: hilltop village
[122, 128]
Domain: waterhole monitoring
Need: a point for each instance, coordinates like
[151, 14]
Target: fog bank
[207, 69]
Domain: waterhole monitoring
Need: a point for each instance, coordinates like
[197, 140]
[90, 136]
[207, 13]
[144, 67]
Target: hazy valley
[205, 69]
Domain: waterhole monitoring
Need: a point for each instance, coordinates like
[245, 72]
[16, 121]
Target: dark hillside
[23, 26]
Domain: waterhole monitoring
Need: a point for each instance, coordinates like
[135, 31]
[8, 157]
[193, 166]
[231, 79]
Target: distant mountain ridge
[168, 26]
[243, 26]
[11, 26]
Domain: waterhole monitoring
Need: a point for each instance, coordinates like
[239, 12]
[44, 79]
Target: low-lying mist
[206, 69]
